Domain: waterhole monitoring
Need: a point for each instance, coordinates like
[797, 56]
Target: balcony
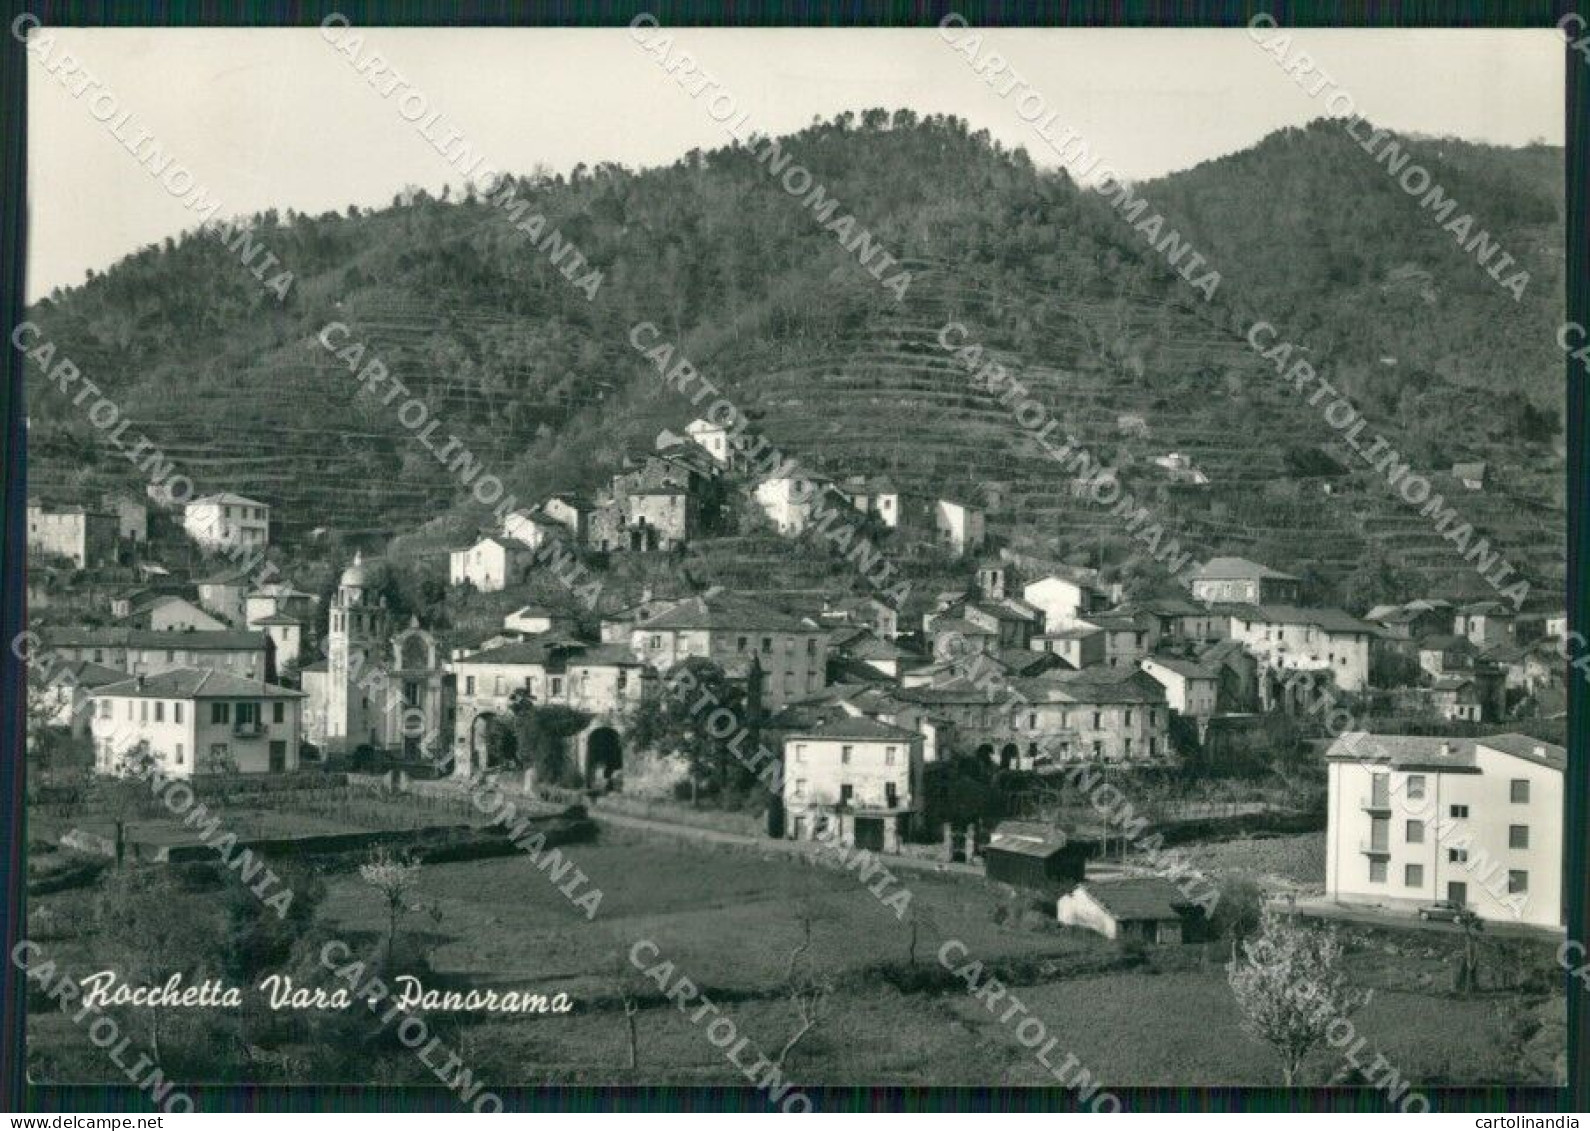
[248, 730]
[1369, 848]
[1374, 806]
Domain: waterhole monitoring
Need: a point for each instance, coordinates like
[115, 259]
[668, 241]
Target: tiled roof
[857, 727]
[724, 612]
[1028, 838]
[1238, 569]
[1189, 669]
[202, 639]
[1331, 620]
[1412, 751]
[197, 683]
[1137, 898]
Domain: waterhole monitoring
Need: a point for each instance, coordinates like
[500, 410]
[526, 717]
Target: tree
[1240, 910]
[807, 989]
[125, 790]
[396, 881]
[1290, 988]
[540, 736]
[675, 722]
[1467, 977]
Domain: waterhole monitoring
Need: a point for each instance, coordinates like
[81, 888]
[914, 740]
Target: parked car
[1444, 911]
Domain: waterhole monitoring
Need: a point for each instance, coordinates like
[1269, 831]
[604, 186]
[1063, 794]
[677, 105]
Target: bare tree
[807, 989]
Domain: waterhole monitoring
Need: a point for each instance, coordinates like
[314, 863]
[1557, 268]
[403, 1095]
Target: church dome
[353, 576]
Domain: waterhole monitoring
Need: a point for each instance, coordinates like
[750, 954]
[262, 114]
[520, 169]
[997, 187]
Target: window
[557, 685]
[800, 752]
[1377, 871]
[278, 712]
[220, 712]
[143, 711]
[1519, 790]
[469, 685]
[623, 678]
[1517, 882]
[248, 713]
[104, 708]
[160, 711]
[846, 792]
[179, 754]
[1415, 787]
[811, 646]
[741, 643]
[1032, 721]
[1380, 790]
[176, 712]
[1413, 875]
[1415, 832]
[888, 755]
[800, 787]
[1098, 720]
[767, 644]
[1098, 750]
[1457, 856]
[1127, 751]
[1129, 716]
[1460, 811]
[1517, 836]
[844, 754]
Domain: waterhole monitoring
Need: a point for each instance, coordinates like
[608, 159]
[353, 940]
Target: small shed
[1471, 475]
[1148, 909]
[1027, 854]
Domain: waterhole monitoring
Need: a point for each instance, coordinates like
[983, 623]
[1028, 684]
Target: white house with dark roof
[1286, 638]
[856, 773]
[1479, 821]
[198, 721]
[491, 564]
[960, 526]
[1192, 688]
[1240, 581]
[228, 522]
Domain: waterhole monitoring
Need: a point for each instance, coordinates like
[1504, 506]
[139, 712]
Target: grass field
[729, 920]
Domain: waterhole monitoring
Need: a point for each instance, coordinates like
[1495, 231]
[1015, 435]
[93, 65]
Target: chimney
[139, 681]
[1540, 751]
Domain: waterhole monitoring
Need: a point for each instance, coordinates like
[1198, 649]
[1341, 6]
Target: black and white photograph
[795, 560]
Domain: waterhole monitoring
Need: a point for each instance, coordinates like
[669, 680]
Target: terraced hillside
[546, 389]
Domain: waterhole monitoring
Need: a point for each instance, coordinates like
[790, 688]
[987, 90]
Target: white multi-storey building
[1478, 821]
[1288, 638]
[860, 773]
[228, 522]
[197, 721]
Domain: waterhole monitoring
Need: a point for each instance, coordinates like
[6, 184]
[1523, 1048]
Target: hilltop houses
[227, 522]
[82, 536]
[1286, 639]
[1240, 581]
[491, 564]
[959, 525]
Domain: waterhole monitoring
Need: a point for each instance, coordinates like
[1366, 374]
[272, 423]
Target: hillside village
[876, 716]
[809, 715]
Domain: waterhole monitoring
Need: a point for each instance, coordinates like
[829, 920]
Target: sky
[269, 118]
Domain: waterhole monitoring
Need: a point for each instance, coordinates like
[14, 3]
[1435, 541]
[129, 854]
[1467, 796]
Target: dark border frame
[17, 1094]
